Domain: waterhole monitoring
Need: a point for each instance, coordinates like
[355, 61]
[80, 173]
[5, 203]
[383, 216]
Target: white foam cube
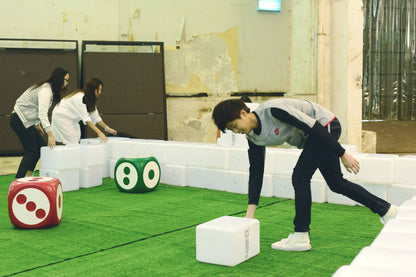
[162, 174]
[227, 240]
[196, 177]
[106, 169]
[226, 139]
[284, 161]
[386, 258]
[149, 148]
[409, 214]
[378, 168]
[269, 160]
[283, 188]
[396, 240]
[175, 175]
[405, 170]
[397, 194]
[69, 178]
[120, 149]
[215, 179]
[61, 157]
[238, 159]
[400, 225]
[92, 154]
[267, 188]
[237, 182]
[216, 157]
[112, 166]
[90, 176]
[378, 190]
[337, 198]
[409, 204]
[240, 141]
[189, 154]
[370, 271]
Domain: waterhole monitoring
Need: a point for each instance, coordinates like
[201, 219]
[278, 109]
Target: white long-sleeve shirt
[33, 105]
[67, 114]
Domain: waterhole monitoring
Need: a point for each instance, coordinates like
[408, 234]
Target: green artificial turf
[105, 232]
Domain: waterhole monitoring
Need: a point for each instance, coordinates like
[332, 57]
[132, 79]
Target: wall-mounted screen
[269, 5]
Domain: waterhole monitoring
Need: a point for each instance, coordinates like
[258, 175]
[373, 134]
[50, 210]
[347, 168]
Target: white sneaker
[391, 213]
[299, 241]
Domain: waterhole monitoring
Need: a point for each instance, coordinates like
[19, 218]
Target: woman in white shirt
[79, 105]
[29, 118]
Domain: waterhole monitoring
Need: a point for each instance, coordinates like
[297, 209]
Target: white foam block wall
[69, 178]
[227, 240]
[376, 169]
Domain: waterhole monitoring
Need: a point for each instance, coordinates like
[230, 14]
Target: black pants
[316, 155]
[31, 140]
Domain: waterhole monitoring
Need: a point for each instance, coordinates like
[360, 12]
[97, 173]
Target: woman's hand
[51, 140]
[40, 129]
[102, 137]
[110, 131]
[350, 163]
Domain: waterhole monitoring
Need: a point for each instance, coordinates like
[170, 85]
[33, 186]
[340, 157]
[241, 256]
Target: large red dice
[35, 202]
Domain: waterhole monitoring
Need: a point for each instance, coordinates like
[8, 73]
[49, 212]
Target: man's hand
[350, 163]
[251, 210]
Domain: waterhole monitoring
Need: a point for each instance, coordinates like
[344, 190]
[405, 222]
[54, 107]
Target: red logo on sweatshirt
[276, 131]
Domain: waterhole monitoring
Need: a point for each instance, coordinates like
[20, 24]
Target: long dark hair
[56, 80]
[90, 99]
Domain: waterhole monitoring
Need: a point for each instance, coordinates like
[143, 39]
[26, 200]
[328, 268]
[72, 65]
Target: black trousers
[31, 140]
[316, 155]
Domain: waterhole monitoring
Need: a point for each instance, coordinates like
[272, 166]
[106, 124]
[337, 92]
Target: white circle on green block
[126, 175]
[151, 174]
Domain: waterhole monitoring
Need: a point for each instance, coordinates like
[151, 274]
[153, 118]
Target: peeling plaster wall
[56, 19]
[203, 64]
[216, 47]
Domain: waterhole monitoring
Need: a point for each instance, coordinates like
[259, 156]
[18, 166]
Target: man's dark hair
[227, 111]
